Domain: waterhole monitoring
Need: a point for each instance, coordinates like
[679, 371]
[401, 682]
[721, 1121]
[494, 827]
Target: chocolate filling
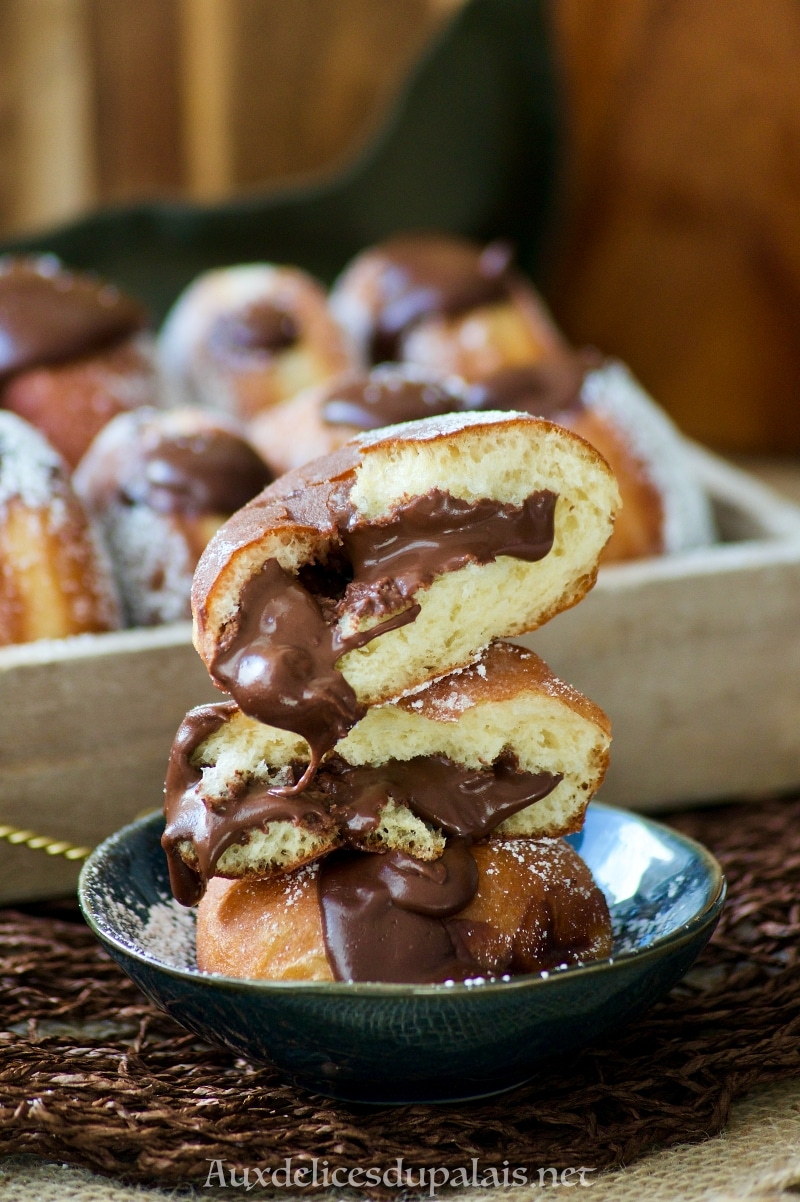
[385, 918]
[211, 829]
[48, 315]
[549, 390]
[279, 662]
[466, 803]
[258, 330]
[205, 472]
[386, 921]
[424, 277]
[383, 399]
[344, 800]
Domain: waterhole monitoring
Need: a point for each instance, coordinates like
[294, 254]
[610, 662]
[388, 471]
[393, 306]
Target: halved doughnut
[396, 560]
[499, 748]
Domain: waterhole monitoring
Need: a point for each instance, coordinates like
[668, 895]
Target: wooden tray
[695, 657]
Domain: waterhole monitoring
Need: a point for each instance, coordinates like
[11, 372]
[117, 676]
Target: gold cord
[53, 847]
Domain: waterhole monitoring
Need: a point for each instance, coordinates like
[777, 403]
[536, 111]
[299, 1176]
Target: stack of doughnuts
[384, 794]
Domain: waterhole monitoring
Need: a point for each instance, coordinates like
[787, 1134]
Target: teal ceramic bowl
[383, 1043]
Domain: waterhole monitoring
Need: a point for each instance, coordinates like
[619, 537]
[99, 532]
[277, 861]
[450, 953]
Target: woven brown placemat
[92, 1074]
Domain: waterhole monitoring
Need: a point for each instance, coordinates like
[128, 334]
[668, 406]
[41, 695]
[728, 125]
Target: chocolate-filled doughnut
[499, 747]
[443, 302]
[241, 339]
[74, 351]
[453, 307]
[160, 483]
[54, 576]
[531, 906]
[320, 420]
[396, 560]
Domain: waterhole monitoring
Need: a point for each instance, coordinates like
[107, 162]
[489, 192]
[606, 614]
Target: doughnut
[73, 351]
[443, 302]
[498, 747]
[414, 299]
[159, 483]
[321, 419]
[241, 339]
[664, 508]
[531, 906]
[54, 577]
[396, 560]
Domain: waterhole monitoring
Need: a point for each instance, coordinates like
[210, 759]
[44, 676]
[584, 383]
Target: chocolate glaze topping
[385, 918]
[385, 397]
[279, 663]
[260, 329]
[212, 471]
[423, 276]
[551, 389]
[50, 315]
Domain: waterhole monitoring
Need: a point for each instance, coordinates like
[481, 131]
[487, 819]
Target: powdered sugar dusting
[449, 707]
[415, 690]
[153, 564]
[30, 469]
[437, 427]
[166, 931]
[297, 882]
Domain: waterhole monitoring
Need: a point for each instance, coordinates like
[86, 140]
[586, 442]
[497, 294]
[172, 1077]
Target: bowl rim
[685, 933]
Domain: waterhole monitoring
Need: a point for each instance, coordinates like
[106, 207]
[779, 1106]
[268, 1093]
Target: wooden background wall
[679, 242]
[107, 100]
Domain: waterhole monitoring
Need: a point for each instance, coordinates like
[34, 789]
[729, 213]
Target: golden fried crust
[502, 672]
[537, 907]
[294, 432]
[639, 529]
[263, 930]
[512, 333]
